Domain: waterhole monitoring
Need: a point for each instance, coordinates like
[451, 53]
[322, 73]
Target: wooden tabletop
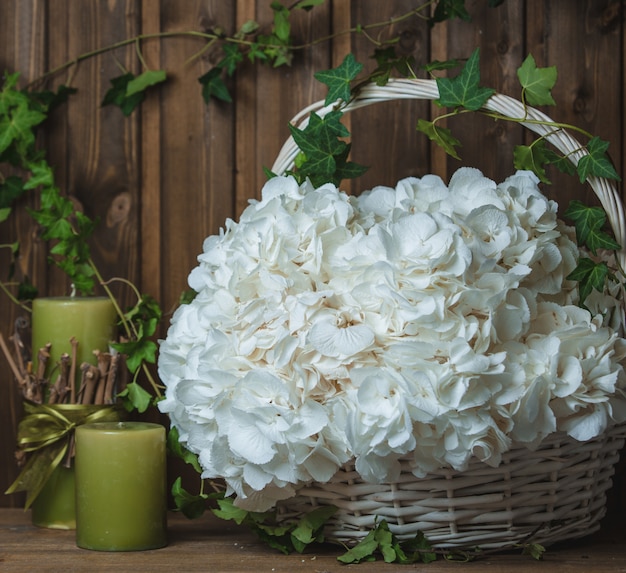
[211, 545]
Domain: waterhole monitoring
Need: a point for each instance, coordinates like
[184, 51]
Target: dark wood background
[163, 179]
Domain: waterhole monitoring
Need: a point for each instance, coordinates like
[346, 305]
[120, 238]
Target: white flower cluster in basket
[427, 321]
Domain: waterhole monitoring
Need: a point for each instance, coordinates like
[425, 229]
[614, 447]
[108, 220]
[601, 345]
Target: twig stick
[72, 379]
[87, 385]
[63, 379]
[12, 364]
[109, 388]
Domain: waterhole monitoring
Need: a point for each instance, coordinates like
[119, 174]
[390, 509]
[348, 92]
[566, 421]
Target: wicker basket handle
[502, 104]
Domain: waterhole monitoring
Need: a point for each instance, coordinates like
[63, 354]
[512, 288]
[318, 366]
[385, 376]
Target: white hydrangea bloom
[427, 320]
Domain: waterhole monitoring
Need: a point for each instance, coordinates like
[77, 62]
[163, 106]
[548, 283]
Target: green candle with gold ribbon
[120, 486]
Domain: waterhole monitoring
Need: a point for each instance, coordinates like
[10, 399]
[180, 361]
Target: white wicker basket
[554, 493]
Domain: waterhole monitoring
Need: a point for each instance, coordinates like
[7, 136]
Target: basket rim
[528, 116]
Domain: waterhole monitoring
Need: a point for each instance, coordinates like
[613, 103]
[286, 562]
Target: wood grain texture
[210, 544]
[170, 175]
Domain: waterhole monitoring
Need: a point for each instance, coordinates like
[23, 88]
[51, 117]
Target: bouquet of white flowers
[428, 319]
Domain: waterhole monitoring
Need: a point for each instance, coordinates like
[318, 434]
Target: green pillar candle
[120, 486]
[55, 320]
[54, 507]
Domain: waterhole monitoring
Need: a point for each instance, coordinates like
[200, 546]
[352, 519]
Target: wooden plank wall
[168, 176]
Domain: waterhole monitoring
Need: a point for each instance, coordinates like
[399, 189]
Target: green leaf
[589, 223]
[388, 62]
[437, 65]
[26, 290]
[338, 79]
[590, 275]
[213, 86]
[537, 83]
[309, 527]
[561, 162]
[228, 511]
[177, 449]
[187, 296]
[117, 96]
[464, 90]
[17, 127]
[137, 352]
[42, 175]
[247, 28]
[535, 550]
[134, 397]
[421, 549]
[145, 80]
[319, 142]
[440, 135]
[4, 213]
[597, 162]
[191, 506]
[281, 27]
[449, 9]
[232, 58]
[532, 158]
[10, 189]
[363, 551]
[385, 542]
[308, 4]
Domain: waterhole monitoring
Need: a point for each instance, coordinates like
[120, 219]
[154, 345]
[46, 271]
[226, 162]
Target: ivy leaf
[537, 82]
[589, 223]
[561, 162]
[26, 290]
[532, 158]
[134, 397]
[247, 28]
[320, 144]
[590, 275]
[232, 58]
[464, 90]
[117, 94]
[137, 352]
[597, 162]
[308, 4]
[228, 511]
[10, 189]
[438, 65]
[363, 551]
[449, 9]
[281, 27]
[309, 528]
[338, 79]
[440, 135]
[191, 506]
[41, 175]
[420, 548]
[145, 80]
[388, 61]
[385, 541]
[345, 169]
[177, 449]
[535, 550]
[214, 86]
[16, 127]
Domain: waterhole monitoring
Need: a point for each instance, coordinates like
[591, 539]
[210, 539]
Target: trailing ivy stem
[13, 298]
[128, 327]
[120, 44]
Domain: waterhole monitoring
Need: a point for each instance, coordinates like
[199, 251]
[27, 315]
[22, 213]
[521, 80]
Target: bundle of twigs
[99, 383]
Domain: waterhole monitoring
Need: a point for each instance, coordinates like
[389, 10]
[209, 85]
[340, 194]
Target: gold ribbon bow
[46, 431]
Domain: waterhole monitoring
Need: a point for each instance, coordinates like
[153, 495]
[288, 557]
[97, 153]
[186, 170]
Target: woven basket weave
[554, 493]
